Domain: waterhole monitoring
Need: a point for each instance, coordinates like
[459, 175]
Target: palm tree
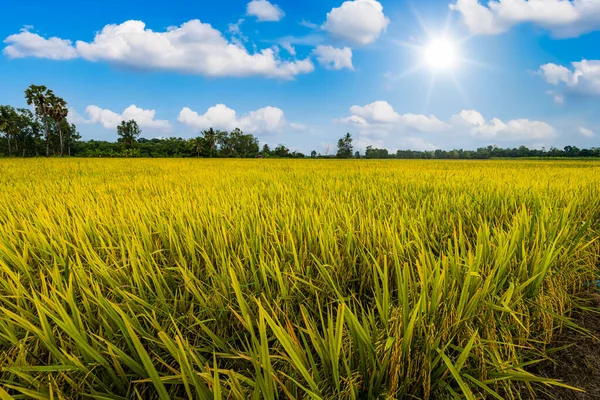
[197, 145]
[39, 96]
[210, 137]
[58, 112]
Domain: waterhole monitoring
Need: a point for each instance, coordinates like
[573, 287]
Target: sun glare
[441, 54]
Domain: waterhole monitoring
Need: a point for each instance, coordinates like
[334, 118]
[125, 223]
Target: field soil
[579, 364]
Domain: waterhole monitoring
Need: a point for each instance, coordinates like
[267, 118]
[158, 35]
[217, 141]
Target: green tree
[39, 97]
[224, 142]
[281, 151]
[242, 145]
[70, 134]
[197, 144]
[345, 146]
[57, 110]
[9, 124]
[27, 140]
[266, 150]
[128, 132]
[210, 141]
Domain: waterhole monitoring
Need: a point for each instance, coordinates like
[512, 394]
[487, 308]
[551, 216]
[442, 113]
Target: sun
[441, 54]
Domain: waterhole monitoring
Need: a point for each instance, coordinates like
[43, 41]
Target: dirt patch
[579, 364]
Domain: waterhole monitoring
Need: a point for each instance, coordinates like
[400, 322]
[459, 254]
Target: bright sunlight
[441, 54]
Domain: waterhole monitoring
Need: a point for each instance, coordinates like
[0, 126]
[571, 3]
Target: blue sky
[304, 73]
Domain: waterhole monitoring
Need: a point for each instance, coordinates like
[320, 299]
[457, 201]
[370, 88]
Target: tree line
[484, 153]
[210, 143]
[43, 129]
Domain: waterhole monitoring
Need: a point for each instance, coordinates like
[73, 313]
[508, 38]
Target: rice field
[297, 279]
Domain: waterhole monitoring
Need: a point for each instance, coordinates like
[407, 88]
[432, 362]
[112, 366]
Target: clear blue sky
[422, 75]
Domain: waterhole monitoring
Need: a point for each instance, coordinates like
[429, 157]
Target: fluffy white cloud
[28, 44]
[516, 130]
[265, 11]
[588, 133]
[109, 119]
[358, 21]
[379, 119]
[564, 18]
[584, 77]
[267, 120]
[194, 48]
[334, 58]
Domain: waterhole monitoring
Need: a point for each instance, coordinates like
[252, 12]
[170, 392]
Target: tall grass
[267, 279]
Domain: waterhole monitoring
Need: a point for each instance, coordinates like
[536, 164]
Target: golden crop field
[307, 279]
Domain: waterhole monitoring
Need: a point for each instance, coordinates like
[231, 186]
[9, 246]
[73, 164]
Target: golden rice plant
[298, 279]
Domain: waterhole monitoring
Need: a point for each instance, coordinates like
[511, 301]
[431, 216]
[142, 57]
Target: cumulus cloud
[583, 77]
[193, 48]
[513, 130]
[564, 18]
[29, 44]
[333, 58]
[358, 21]
[264, 11]
[146, 119]
[379, 119]
[266, 120]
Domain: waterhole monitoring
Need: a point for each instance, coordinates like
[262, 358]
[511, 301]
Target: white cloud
[334, 58]
[564, 18]
[308, 24]
[584, 77]
[234, 29]
[379, 120]
[289, 48]
[237, 37]
[513, 130]
[193, 48]
[264, 11]
[588, 133]
[266, 120]
[110, 119]
[28, 44]
[358, 21]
